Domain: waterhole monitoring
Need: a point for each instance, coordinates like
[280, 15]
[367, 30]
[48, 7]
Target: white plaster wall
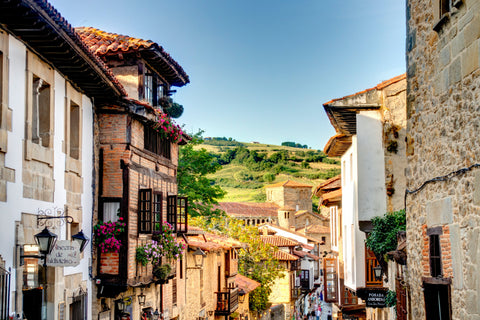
[16, 204]
[371, 166]
[353, 238]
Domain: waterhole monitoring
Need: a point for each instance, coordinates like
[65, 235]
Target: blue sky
[260, 70]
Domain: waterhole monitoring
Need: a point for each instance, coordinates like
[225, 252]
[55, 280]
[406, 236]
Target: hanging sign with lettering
[375, 298]
[66, 253]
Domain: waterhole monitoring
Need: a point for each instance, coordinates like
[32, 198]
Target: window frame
[38, 68]
[435, 251]
[145, 210]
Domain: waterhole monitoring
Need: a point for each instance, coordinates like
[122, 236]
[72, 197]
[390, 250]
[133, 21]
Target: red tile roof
[249, 209]
[316, 228]
[272, 227]
[306, 254]
[104, 43]
[284, 256]
[279, 241]
[245, 283]
[290, 184]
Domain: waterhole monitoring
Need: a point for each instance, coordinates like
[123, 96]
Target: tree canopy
[193, 167]
[255, 261]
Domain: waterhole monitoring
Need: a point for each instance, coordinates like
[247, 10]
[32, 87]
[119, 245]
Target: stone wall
[442, 126]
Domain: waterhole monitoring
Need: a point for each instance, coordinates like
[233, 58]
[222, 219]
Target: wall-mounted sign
[66, 253]
[375, 298]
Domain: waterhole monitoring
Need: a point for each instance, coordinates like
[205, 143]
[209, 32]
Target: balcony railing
[227, 302]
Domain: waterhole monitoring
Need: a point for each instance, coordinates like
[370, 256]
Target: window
[74, 141]
[40, 105]
[177, 210]
[435, 256]
[41, 108]
[110, 210]
[435, 251]
[157, 211]
[334, 227]
[145, 211]
[149, 211]
[442, 8]
[155, 143]
[330, 279]
[148, 85]
[437, 301]
[174, 291]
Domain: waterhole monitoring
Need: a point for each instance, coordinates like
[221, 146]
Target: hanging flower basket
[163, 244]
[162, 272]
[167, 128]
[107, 234]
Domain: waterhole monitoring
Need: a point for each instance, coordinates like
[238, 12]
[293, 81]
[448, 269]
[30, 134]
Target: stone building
[443, 180]
[50, 86]
[136, 153]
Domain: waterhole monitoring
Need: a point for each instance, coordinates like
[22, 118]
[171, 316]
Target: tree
[255, 260]
[193, 168]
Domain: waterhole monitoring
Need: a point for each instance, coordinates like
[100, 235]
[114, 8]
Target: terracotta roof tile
[249, 209]
[246, 284]
[284, 256]
[270, 226]
[279, 241]
[316, 228]
[290, 184]
[104, 43]
[306, 254]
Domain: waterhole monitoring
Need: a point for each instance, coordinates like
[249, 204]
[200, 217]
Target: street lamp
[141, 298]
[81, 240]
[121, 305]
[199, 255]
[378, 272]
[241, 296]
[46, 241]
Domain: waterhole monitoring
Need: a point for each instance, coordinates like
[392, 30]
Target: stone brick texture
[443, 101]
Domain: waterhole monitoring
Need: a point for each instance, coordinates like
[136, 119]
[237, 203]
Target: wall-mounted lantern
[46, 241]
[81, 240]
[141, 298]
[378, 272]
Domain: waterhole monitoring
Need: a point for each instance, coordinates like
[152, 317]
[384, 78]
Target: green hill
[248, 167]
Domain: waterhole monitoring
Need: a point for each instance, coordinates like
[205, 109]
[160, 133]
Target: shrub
[269, 177]
[383, 237]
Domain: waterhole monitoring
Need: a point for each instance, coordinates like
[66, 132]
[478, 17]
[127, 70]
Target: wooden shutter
[145, 211]
[172, 211]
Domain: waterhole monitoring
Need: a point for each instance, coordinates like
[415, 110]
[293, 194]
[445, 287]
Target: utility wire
[446, 177]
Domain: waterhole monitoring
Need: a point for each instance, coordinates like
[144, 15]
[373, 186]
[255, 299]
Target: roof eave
[55, 29]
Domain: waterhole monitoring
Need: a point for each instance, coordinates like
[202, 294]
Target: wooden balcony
[227, 302]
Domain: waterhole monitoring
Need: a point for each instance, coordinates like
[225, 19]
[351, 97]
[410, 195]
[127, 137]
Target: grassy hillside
[248, 167]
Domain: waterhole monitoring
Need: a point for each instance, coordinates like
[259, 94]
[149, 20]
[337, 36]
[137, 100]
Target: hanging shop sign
[65, 253]
[375, 298]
